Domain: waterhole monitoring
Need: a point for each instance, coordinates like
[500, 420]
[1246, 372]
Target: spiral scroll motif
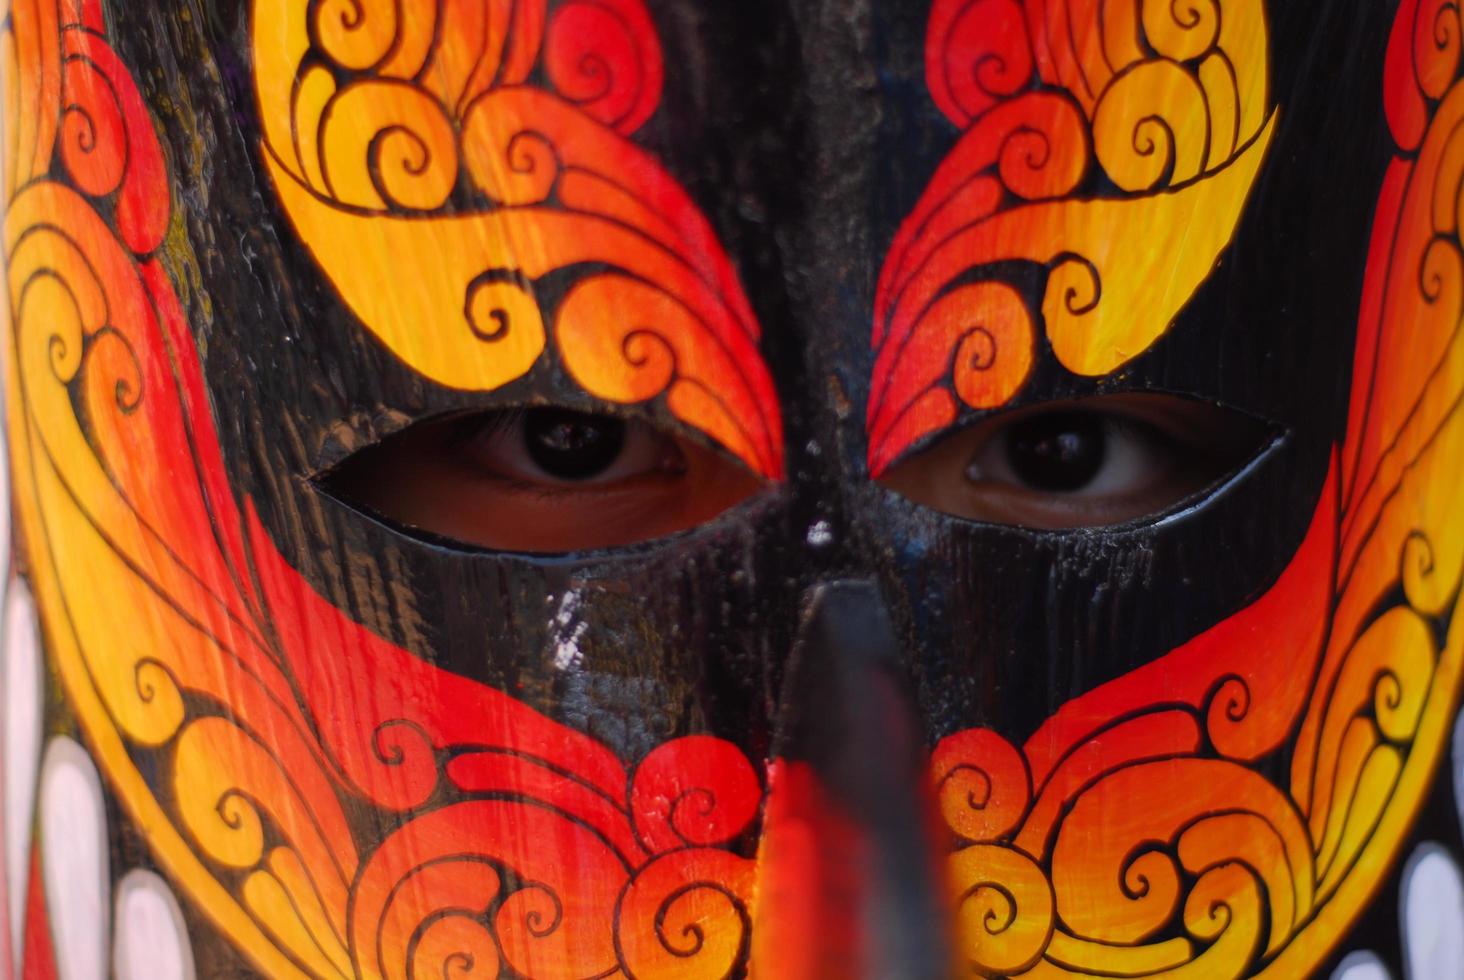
[1164, 102]
[423, 147]
[206, 674]
[1166, 843]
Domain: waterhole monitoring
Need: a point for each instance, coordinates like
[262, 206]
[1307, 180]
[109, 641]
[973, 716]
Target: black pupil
[571, 445]
[1058, 452]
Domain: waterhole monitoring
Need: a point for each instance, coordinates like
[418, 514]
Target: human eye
[542, 479]
[1092, 462]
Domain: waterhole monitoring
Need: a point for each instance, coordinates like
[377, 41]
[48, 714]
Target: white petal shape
[1433, 915]
[74, 853]
[4, 492]
[1361, 965]
[152, 938]
[1458, 761]
[20, 736]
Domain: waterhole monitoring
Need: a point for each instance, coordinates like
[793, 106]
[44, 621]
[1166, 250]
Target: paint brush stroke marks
[187, 647]
[1076, 853]
[480, 155]
[1430, 905]
[1165, 106]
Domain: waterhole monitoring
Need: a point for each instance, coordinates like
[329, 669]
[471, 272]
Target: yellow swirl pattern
[430, 153]
[1112, 145]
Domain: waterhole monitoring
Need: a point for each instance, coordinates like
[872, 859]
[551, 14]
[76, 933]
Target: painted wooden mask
[581, 488]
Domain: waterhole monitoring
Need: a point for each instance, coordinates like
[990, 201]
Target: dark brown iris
[1057, 452]
[571, 445]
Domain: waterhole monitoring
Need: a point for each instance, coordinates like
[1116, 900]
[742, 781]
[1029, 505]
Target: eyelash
[469, 428]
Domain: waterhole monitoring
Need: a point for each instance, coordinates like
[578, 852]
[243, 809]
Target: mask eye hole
[542, 480]
[1092, 462]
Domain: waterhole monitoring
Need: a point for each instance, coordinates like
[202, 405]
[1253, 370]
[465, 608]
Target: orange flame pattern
[1110, 144]
[1227, 810]
[471, 148]
[188, 649]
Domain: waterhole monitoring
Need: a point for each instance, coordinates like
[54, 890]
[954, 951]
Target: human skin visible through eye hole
[542, 480]
[549, 480]
[1092, 462]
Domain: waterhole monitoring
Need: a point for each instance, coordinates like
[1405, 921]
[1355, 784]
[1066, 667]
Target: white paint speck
[567, 630]
[820, 535]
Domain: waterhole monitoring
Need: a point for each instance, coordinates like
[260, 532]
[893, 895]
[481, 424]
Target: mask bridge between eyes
[850, 882]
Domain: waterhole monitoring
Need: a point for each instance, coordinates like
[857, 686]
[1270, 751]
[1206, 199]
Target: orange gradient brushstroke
[1164, 843]
[531, 111]
[200, 646]
[1165, 104]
